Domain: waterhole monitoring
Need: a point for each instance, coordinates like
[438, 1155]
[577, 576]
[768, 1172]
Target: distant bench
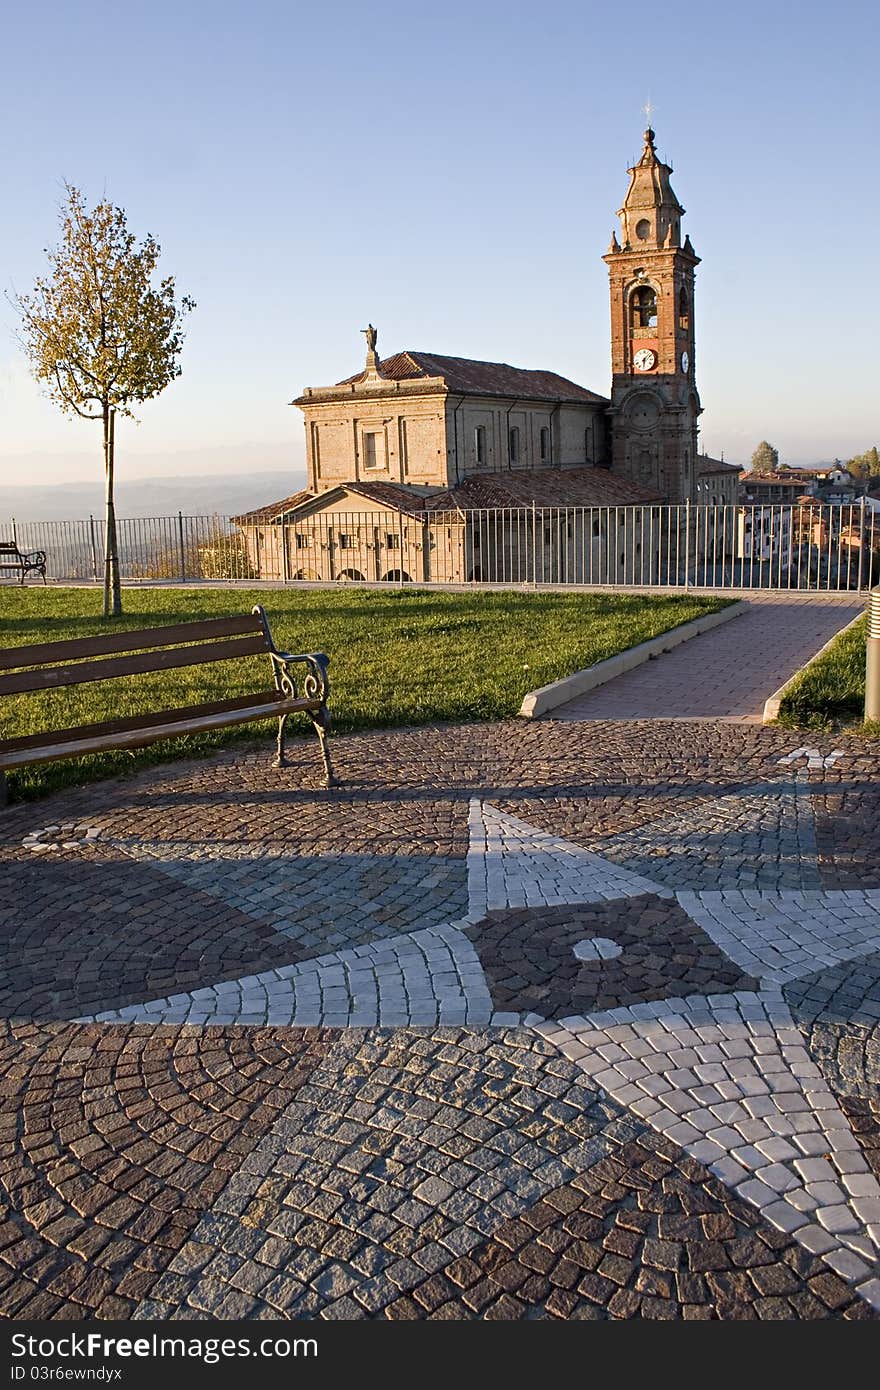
[55, 665]
[25, 562]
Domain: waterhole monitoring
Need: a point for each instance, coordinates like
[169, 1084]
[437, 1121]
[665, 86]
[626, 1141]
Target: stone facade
[422, 418]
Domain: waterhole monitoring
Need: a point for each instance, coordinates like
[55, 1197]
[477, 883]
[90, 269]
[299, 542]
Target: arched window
[684, 316]
[644, 307]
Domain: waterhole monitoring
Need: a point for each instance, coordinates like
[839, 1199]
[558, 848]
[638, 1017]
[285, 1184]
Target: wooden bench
[56, 665]
[11, 558]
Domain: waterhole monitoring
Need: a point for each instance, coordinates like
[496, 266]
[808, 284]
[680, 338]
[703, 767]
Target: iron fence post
[861, 545]
[872, 658]
[534, 545]
[94, 546]
[181, 547]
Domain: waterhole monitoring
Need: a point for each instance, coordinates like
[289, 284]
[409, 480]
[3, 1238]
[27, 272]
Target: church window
[514, 444]
[302, 540]
[644, 307]
[480, 443]
[643, 229]
[392, 541]
[588, 439]
[683, 308]
[545, 444]
[374, 450]
[597, 527]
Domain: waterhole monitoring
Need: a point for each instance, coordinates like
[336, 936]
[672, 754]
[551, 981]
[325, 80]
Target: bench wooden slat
[143, 735]
[168, 659]
[270, 698]
[104, 644]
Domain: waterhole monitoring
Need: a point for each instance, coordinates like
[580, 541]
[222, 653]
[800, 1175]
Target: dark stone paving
[458, 1172]
[114, 1144]
[530, 964]
[646, 1234]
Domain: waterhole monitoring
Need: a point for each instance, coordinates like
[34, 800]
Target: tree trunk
[112, 588]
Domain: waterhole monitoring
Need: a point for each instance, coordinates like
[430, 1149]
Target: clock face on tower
[644, 359]
[685, 361]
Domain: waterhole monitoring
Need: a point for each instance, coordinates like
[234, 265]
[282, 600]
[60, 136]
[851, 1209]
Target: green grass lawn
[409, 656]
[830, 693]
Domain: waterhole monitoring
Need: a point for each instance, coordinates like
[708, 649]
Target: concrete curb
[538, 702]
[771, 706]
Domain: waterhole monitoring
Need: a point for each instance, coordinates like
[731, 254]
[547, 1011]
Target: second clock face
[685, 361]
[644, 359]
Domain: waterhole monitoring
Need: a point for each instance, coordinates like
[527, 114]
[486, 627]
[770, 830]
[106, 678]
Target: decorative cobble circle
[597, 948]
[53, 838]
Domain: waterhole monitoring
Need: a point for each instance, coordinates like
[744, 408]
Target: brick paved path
[726, 673]
[523, 1021]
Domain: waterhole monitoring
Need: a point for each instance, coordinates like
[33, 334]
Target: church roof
[273, 510]
[705, 464]
[546, 487]
[549, 487]
[466, 376]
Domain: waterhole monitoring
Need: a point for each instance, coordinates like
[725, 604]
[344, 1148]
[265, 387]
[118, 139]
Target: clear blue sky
[451, 173]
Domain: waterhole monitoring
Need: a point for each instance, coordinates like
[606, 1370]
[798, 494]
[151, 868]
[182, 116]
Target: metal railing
[810, 547]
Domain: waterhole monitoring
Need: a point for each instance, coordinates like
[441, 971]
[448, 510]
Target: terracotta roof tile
[462, 374]
[551, 487]
[273, 510]
[774, 480]
[546, 487]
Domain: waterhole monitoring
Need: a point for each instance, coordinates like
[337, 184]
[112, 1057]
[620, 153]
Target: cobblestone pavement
[521, 1021]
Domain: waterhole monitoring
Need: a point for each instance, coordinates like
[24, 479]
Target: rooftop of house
[793, 480]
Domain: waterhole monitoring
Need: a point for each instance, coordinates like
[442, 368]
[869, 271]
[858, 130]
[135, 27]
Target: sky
[450, 173]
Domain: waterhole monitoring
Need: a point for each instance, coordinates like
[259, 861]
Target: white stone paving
[811, 756]
[728, 1078]
[422, 978]
[513, 864]
[781, 936]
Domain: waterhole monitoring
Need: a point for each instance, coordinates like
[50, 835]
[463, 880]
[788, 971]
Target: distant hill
[197, 495]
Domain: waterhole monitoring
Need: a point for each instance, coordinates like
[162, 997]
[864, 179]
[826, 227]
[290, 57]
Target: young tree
[100, 336]
[765, 459]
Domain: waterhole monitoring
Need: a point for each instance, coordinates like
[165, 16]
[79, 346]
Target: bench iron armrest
[33, 559]
[313, 685]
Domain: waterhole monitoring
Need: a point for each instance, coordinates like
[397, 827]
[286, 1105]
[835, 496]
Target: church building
[420, 433]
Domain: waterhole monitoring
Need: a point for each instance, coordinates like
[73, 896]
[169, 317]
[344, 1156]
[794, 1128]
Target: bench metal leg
[321, 723]
[281, 756]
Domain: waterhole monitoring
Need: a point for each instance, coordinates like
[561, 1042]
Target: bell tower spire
[654, 400]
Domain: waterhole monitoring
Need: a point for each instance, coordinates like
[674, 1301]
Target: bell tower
[654, 400]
